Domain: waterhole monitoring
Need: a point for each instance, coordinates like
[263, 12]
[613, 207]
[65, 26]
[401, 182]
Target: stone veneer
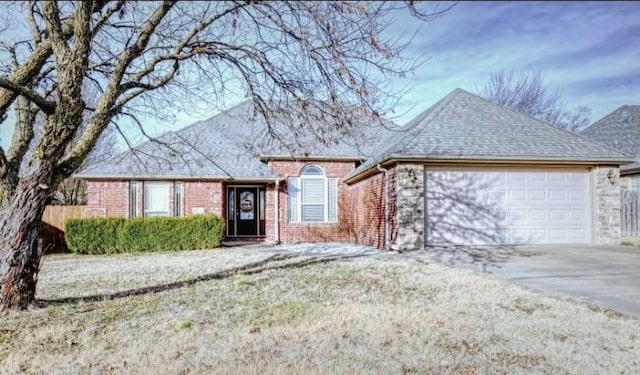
[409, 194]
[606, 206]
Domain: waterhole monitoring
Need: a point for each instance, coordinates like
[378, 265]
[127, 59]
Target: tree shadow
[247, 269]
[53, 239]
[467, 222]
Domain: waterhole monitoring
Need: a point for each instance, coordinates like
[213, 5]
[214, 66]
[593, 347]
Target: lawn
[374, 314]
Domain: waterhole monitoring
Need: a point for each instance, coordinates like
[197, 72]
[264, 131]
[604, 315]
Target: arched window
[312, 197]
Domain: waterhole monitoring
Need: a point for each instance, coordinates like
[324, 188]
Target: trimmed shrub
[115, 235]
[93, 236]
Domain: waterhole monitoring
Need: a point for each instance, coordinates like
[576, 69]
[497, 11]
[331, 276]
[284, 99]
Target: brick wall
[270, 207]
[367, 211]
[203, 197]
[111, 198]
[298, 232]
[107, 199]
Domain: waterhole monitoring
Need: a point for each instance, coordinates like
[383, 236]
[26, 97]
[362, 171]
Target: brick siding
[107, 199]
[203, 196]
[367, 211]
[299, 232]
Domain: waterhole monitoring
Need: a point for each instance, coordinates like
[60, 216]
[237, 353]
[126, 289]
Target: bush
[93, 236]
[116, 235]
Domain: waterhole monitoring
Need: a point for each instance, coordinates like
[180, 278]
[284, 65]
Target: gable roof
[292, 136]
[200, 152]
[464, 126]
[620, 130]
[230, 145]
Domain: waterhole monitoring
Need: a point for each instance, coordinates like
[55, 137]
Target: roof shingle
[620, 130]
[229, 145]
[465, 126]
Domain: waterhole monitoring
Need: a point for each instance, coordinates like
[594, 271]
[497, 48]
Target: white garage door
[506, 206]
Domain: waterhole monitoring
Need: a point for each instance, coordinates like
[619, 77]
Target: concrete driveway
[608, 276]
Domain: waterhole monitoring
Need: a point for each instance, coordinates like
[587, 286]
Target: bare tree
[146, 57]
[73, 191]
[529, 93]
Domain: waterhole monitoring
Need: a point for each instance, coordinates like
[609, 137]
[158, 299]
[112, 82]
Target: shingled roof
[464, 126]
[194, 152]
[230, 145]
[620, 130]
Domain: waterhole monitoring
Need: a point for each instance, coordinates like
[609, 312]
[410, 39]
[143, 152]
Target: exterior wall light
[412, 175]
[611, 176]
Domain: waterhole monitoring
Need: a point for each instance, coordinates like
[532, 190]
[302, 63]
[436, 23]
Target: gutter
[387, 226]
[170, 177]
[493, 161]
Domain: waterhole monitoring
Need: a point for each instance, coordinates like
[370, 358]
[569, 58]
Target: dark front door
[245, 206]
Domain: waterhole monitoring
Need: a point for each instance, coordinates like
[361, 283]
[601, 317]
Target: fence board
[630, 207]
[57, 216]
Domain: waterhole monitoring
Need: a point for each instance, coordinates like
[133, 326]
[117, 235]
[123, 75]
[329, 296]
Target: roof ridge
[151, 139]
[214, 116]
[555, 128]
[432, 112]
[601, 125]
[409, 130]
[125, 152]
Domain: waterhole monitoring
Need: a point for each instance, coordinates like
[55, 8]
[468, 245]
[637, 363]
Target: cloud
[590, 50]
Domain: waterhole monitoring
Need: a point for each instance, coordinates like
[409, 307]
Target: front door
[245, 211]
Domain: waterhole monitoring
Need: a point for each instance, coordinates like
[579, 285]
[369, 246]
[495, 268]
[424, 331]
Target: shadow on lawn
[483, 257]
[247, 269]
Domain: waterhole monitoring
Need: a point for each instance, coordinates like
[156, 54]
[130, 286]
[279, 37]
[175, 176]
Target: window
[177, 199]
[312, 196]
[133, 199]
[156, 199]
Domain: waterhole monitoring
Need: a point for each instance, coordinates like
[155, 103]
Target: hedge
[119, 235]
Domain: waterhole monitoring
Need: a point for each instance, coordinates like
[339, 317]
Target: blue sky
[588, 50]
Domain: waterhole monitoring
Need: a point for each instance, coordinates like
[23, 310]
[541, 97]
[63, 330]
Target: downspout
[276, 226]
[387, 227]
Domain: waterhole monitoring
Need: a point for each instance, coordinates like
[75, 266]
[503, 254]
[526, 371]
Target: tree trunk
[20, 266]
[20, 220]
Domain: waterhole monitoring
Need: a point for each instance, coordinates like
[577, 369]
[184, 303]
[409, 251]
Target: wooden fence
[630, 209]
[53, 222]
[57, 216]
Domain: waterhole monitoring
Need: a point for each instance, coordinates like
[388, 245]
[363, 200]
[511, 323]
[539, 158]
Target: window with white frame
[133, 199]
[177, 198]
[156, 199]
[312, 197]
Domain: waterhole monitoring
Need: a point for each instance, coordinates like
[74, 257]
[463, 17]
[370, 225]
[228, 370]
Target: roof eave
[484, 160]
[97, 176]
[628, 171]
[266, 158]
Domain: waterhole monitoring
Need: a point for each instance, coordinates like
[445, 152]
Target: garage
[507, 206]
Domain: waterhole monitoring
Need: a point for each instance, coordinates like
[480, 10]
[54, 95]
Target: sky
[590, 51]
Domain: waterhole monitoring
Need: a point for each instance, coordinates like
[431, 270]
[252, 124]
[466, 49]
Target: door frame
[258, 202]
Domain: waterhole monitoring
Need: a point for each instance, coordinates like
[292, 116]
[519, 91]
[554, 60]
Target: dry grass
[368, 315]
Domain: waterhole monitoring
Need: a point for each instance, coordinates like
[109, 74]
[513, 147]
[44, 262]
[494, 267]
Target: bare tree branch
[529, 94]
[308, 67]
[46, 106]
[103, 111]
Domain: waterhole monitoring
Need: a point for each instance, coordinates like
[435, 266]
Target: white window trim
[325, 186]
[180, 212]
[134, 196]
[144, 201]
